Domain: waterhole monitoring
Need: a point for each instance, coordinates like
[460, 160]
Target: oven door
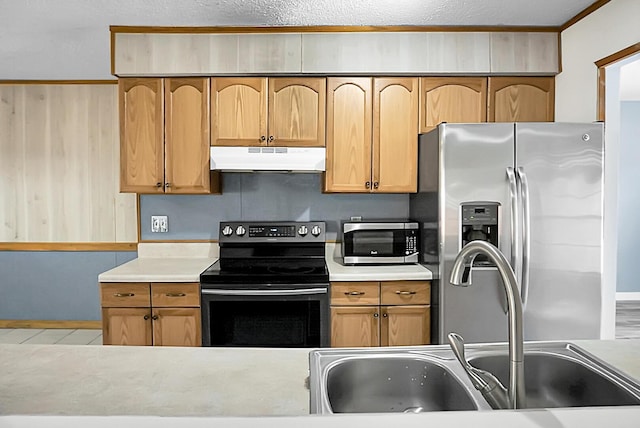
[286, 318]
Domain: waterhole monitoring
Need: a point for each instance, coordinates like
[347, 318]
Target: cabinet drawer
[175, 294]
[355, 293]
[125, 295]
[405, 293]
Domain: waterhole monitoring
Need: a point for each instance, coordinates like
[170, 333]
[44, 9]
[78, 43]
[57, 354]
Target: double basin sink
[429, 378]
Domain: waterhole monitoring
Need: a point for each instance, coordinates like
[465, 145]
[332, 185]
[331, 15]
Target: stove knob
[303, 230]
[227, 231]
[315, 230]
[240, 231]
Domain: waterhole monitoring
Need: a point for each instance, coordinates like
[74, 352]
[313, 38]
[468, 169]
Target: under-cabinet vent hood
[284, 159]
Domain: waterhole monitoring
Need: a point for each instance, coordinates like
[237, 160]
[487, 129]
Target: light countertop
[196, 387]
[184, 263]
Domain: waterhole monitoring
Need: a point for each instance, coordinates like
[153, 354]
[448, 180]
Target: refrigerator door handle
[526, 234]
[515, 221]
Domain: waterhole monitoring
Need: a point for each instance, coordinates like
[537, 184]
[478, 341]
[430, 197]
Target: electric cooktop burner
[261, 254]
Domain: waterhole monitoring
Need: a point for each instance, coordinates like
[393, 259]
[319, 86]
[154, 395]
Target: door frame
[602, 64]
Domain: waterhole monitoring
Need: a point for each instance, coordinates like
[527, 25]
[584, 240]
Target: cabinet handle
[385, 315]
[375, 184]
[367, 185]
[262, 138]
[167, 185]
[354, 293]
[270, 139]
[146, 317]
[405, 293]
[158, 185]
[123, 295]
[175, 294]
[155, 317]
[376, 315]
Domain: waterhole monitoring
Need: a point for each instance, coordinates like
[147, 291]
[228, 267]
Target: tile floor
[627, 327]
[58, 336]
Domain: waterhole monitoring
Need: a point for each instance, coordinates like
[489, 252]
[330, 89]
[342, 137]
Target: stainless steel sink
[564, 377]
[379, 380]
[429, 378]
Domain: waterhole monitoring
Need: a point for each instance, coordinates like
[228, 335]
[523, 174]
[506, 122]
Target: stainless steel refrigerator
[536, 191]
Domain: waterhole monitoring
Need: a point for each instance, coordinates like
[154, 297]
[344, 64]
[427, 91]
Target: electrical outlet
[159, 223]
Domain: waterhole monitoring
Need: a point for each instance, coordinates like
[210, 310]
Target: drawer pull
[354, 293]
[405, 293]
[175, 294]
[123, 295]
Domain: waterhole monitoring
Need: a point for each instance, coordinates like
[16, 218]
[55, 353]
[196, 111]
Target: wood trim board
[586, 12]
[68, 246]
[59, 82]
[97, 325]
[602, 64]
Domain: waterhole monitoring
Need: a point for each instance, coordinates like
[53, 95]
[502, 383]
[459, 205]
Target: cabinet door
[355, 326]
[297, 111]
[238, 111]
[395, 135]
[405, 325]
[521, 99]
[349, 120]
[452, 100]
[126, 326]
[177, 327]
[141, 135]
[187, 135]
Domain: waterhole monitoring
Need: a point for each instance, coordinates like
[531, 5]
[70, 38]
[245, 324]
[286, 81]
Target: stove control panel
[272, 231]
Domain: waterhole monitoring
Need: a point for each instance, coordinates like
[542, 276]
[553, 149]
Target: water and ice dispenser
[479, 222]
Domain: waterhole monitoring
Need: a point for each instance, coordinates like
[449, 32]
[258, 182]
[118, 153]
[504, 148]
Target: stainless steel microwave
[380, 242]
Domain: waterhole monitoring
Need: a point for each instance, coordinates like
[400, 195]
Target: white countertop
[169, 262]
[340, 272]
[197, 387]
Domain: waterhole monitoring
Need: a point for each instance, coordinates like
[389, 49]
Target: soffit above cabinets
[189, 53]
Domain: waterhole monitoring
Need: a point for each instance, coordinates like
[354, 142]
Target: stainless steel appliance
[269, 288]
[380, 242]
[534, 190]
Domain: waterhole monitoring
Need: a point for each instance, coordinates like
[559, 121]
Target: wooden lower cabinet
[390, 313]
[145, 314]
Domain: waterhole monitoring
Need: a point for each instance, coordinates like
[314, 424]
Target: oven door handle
[304, 291]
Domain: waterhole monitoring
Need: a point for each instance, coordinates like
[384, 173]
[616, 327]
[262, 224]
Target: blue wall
[268, 197]
[629, 197]
[38, 285]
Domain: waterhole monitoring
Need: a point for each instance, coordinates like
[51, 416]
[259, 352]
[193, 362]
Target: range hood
[283, 159]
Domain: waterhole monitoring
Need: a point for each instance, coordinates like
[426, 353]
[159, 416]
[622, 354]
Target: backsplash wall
[268, 197]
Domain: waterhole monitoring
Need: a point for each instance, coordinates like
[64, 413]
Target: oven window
[265, 323]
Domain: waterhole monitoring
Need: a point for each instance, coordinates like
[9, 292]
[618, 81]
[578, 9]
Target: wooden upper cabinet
[141, 135]
[187, 135]
[349, 125]
[395, 134]
[238, 111]
[268, 111]
[297, 111]
[521, 99]
[452, 100]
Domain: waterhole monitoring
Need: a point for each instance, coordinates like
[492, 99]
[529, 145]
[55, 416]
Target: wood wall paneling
[59, 145]
[524, 53]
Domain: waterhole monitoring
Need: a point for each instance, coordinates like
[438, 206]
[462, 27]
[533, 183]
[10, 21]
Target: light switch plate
[159, 223]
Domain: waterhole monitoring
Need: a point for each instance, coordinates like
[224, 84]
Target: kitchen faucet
[484, 381]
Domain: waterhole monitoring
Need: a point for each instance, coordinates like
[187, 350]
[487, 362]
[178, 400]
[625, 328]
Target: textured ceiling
[58, 39]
